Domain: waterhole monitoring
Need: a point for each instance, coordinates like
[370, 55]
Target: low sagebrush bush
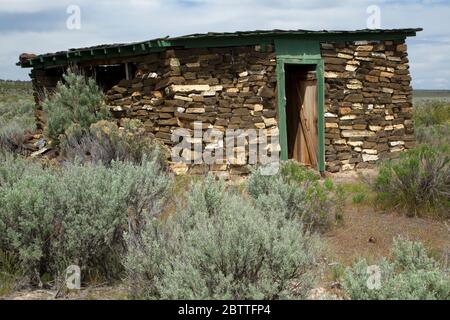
[437, 135]
[220, 246]
[431, 112]
[77, 100]
[15, 121]
[411, 274]
[295, 191]
[105, 142]
[52, 218]
[418, 182]
[12, 138]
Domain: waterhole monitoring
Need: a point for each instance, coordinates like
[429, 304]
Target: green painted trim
[300, 53]
[205, 41]
[282, 127]
[321, 114]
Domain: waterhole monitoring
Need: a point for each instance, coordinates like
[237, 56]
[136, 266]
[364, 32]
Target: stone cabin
[337, 100]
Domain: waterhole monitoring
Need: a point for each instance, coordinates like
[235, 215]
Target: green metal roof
[211, 39]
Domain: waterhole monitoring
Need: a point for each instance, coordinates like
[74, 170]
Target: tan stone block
[195, 110]
[356, 133]
[331, 125]
[369, 157]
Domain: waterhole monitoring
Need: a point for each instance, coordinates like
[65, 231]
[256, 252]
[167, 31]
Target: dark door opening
[301, 113]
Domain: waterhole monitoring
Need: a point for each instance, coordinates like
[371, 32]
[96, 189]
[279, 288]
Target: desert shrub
[295, 191]
[431, 112]
[14, 167]
[52, 218]
[77, 100]
[411, 274]
[10, 272]
[220, 246]
[432, 122]
[437, 135]
[12, 137]
[419, 182]
[105, 142]
[358, 198]
[16, 119]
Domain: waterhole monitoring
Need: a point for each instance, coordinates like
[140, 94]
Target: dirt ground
[366, 232]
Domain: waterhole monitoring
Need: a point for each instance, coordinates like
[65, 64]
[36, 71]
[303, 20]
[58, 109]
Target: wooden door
[306, 135]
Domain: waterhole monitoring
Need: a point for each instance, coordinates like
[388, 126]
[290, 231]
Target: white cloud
[112, 21]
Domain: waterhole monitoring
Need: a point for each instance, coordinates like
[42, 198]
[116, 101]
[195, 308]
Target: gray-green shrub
[104, 142]
[52, 218]
[16, 120]
[418, 182]
[77, 100]
[220, 246]
[411, 275]
[295, 191]
[431, 112]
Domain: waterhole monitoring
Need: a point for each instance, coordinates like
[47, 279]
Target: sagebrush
[418, 183]
[410, 275]
[104, 142]
[54, 217]
[220, 246]
[294, 192]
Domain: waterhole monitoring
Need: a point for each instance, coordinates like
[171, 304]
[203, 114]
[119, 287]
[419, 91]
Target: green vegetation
[432, 122]
[16, 114]
[410, 275]
[53, 217]
[419, 182]
[111, 208]
[77, 100]
[220, 246]
[296, 192]
[104, 142]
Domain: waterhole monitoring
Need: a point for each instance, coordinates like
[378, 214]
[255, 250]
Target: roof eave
[207, 40]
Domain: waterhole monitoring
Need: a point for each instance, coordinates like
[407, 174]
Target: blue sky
[39, 26]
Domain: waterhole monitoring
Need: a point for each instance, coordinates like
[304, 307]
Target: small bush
[15, 121]
[437, 135]
[411, 275]
[77, 100]
[12, 138]
[105, 142]
[431, 112]
[296, 192]
[10, 272]
[52, 218]
[419, 182]
[219, 246]
[358, 198]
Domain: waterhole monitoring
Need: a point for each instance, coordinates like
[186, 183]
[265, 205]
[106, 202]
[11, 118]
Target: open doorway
[302, 113]
[109, 75]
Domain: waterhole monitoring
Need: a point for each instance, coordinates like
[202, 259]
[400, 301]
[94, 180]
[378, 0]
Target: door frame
[281, 90]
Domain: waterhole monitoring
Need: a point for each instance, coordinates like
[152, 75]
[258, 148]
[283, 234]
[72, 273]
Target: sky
[40, 26]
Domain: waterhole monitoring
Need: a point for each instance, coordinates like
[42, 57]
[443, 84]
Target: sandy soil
[369, 234]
